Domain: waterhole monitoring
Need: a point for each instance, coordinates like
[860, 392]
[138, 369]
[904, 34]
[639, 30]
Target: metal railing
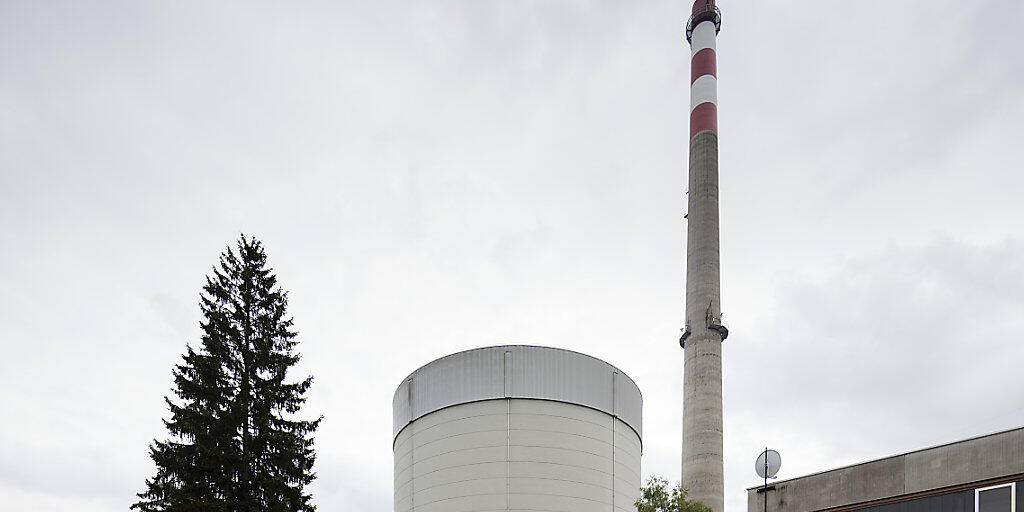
[708, 12]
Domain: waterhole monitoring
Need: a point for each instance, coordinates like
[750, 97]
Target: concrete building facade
[517, 428]
[981, 474]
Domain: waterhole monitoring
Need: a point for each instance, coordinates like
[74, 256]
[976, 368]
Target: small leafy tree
[234, 443]
[656, 496]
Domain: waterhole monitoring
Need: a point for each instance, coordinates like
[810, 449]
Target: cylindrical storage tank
[517, 428]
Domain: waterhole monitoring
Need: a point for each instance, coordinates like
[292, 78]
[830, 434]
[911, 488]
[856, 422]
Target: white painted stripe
[703, 37]
[703, 90]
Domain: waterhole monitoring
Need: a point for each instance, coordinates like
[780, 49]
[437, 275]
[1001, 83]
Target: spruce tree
[234, 441]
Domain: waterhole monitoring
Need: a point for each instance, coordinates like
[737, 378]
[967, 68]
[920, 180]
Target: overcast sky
[432, 176]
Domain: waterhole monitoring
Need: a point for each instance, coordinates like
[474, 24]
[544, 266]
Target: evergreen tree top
[234, 443]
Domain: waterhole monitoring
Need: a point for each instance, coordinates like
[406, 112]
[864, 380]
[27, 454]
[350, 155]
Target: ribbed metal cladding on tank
[517, 428]
[702, 466]
[536, 372]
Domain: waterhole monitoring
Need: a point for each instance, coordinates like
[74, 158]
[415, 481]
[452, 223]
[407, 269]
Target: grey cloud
[888, 353]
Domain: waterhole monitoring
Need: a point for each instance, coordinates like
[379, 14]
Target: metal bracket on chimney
[716, 324]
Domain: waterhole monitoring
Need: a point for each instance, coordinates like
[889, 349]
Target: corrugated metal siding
[518, 371]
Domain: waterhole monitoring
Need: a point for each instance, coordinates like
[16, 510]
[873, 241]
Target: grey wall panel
[459, 442]
[484, 490]
[970, 460]
[533, 502]
[456, 459]
[462, 473]
[592, 476]
[469, 503]
[517, 371]
[625, 502]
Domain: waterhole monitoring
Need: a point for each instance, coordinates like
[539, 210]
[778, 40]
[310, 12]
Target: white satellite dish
[768, 464]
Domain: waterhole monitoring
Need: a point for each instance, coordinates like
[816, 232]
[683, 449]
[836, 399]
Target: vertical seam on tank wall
[508, 452]
[508, 428]
[615, 413]
[412, 452]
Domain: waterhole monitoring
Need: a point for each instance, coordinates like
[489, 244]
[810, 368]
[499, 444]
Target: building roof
[871, 461]
[976, 459]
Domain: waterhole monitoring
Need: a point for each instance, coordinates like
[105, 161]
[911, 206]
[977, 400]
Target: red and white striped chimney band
[703, 78]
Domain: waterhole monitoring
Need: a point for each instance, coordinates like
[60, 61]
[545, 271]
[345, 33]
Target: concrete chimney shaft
[702, 468]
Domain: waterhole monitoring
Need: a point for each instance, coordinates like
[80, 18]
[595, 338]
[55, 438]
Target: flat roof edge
[879, 459]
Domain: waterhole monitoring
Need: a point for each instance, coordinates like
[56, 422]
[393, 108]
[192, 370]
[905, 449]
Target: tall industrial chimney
[704, 331]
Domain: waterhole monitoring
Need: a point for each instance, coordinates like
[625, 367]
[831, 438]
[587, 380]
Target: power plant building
[517, 428]
[981, 474]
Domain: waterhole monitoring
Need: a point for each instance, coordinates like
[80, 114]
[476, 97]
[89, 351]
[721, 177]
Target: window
[998, 498]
